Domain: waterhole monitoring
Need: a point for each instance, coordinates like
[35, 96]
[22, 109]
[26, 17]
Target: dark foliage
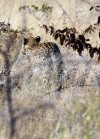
[67, 37]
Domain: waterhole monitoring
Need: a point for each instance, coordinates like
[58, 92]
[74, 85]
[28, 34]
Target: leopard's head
[31, 41]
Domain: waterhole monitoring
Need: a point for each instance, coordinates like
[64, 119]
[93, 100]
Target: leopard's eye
[38, 38]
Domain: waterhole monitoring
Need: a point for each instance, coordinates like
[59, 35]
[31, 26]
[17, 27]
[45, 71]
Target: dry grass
[72, 114]
[42, 113]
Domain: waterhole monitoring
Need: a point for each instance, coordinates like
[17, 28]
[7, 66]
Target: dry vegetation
[31, 108]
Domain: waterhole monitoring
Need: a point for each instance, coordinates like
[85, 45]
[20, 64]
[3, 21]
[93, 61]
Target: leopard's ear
[38, 38]
[25, 41]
